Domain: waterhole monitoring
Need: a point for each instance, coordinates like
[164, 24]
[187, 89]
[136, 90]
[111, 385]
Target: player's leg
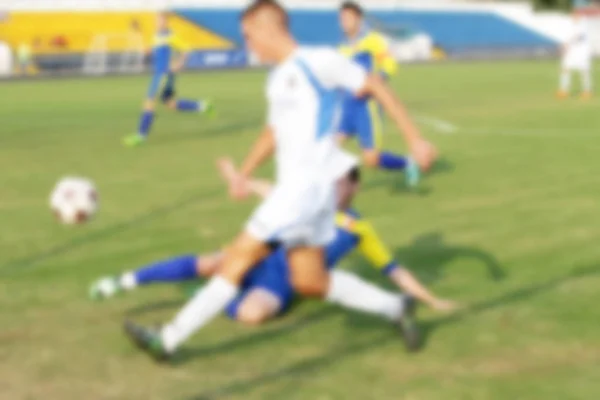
[370, 134]
[565, 83]
[207, 303]
[586, 83]
[168, 97]
[176, 269]
[147, 116]
[347, 127]
[310, 278]
[258, 306]
[267, 291]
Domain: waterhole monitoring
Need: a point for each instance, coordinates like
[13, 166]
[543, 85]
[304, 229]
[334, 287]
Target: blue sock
[176, 269]
[188, 105]
[146, 122]
[392, 161]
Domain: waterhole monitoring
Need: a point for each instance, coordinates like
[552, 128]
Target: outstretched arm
[259, 187]
[377, 253]
[423, 152]
[406, 281]
[262, 150]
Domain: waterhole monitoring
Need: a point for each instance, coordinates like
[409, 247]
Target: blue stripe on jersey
[329, 101]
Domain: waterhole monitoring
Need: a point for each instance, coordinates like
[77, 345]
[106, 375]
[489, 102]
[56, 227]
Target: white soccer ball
[74, 200]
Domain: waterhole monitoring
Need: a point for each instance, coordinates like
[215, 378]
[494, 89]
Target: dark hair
[352, 6]
[258, 5]
[354, 175]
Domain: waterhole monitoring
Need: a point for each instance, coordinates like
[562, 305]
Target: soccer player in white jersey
[576, 57]
[302, 93]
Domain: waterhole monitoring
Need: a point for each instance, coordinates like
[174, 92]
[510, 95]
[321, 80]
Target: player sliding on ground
[298, 215]
[267, 292]
[361, 116]
[165, 66]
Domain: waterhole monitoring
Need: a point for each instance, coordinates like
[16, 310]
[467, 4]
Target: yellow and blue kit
[353, 232]
[361, 117]
[165, 44]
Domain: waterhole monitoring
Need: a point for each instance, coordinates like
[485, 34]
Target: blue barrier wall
[454, 32]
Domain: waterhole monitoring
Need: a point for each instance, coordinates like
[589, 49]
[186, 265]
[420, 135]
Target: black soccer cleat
[407, 324]
[147, 340]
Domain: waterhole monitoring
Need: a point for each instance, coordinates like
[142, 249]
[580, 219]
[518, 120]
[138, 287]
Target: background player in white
[302, 93]
[576, 57]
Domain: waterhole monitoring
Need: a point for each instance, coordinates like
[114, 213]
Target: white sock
[586, 81]
[128, 281]
[565, 81]
[350, 291]
[201, 309]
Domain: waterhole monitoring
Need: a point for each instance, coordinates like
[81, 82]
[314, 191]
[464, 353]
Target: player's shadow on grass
[98, 235]
[351, 348]
[428, 254]
[264, 335]
[261, 337]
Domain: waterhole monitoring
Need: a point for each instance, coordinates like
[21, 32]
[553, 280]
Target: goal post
[101, 60]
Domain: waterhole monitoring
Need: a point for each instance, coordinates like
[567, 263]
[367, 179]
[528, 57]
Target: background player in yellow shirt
[362, 117]
[169, 54]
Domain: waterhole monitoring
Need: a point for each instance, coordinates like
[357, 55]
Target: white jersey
[578, 52]
[304, 96]
[341, 163]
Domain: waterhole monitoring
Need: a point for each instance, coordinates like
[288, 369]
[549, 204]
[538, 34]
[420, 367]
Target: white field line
[567, 133]
[438, 124]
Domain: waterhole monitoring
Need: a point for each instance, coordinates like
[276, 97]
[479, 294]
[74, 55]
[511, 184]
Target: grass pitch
[507, 224]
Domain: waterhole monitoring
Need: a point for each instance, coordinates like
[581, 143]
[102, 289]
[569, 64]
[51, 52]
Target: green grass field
[516, 191]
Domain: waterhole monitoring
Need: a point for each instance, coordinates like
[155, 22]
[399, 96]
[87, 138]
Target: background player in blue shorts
[362, 117]
[267, 291]
[165, 65]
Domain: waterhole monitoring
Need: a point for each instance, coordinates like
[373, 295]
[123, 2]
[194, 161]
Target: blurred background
[100, 37]
[506, 223]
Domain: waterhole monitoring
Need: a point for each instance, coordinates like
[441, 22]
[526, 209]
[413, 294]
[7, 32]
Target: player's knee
[252, 314]
[239, 259]
[170, 103]
[149, 105]
[311, 287]
[371, 159]
[235, 266]
[208, 265]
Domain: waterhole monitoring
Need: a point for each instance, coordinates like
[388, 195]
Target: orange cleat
[586, 96]
[562, 95]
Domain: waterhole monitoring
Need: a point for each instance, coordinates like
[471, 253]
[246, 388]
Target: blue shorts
[361, 118]
[163, 83]
[272, 275]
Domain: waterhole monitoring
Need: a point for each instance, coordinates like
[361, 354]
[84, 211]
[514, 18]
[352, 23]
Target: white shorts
[576, 59]
[296, 216]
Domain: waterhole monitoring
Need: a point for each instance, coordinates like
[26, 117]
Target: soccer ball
[74, 200]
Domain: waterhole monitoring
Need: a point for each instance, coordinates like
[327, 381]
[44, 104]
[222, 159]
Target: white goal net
[100, 60]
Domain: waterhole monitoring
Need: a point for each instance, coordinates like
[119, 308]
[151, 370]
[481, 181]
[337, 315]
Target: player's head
[265, 25]
[162, 20]
[351, 17]
[347, 187]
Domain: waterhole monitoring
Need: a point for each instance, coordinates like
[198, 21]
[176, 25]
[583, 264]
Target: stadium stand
[454, 31]
[73, 32]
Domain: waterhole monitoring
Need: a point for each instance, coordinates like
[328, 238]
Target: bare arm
[239, 184]
[263, 149]
[259, 187]
[409, 283]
